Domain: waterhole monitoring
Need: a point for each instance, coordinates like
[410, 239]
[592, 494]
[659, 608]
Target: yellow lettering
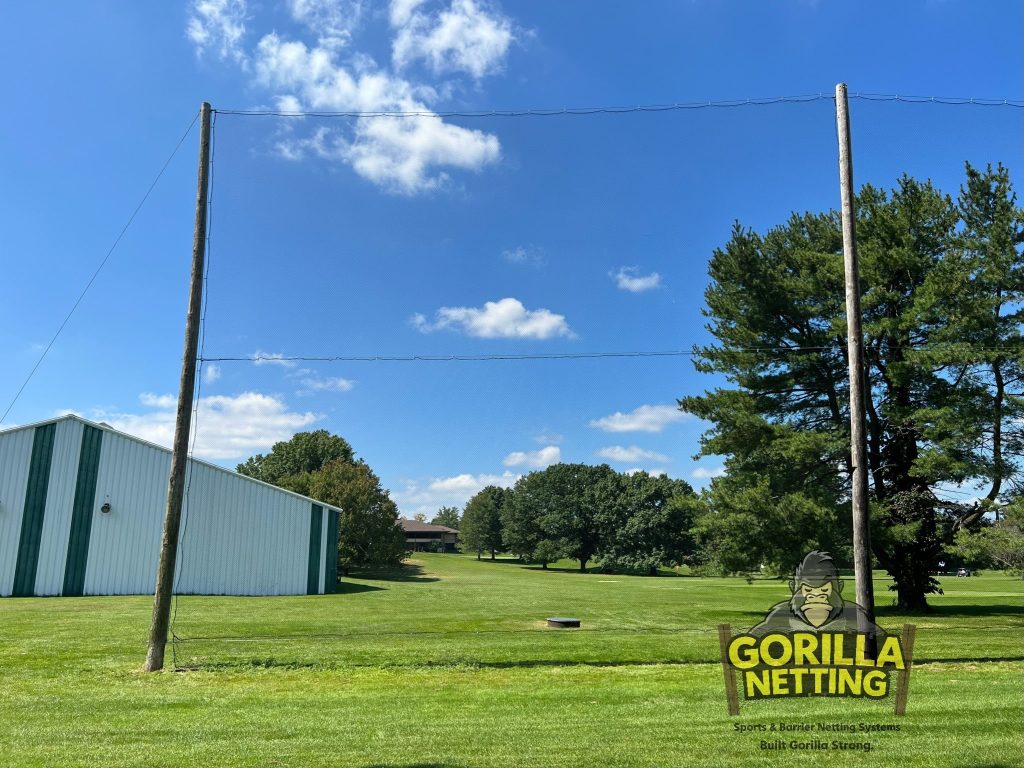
[798, 680]
[819, 673]
[859, 659]
[804, 646]
[891, 653]
[875, 684]
[780, 682]
[849, 681]
[838, 659]
[742, 652]
[760, 681]
[784, 656]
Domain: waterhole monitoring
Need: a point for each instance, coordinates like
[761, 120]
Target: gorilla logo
[817, 603]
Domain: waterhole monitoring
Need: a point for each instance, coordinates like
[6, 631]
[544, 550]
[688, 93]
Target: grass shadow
[595, 569]
[408, 572]
[352, 588]
[940, 611]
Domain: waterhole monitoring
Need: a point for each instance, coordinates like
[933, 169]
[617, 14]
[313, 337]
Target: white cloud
[630, 455]
[429, 496]
[465, 37]
[226, 427]
[327, 384]
[529, 255]
[707, 473]
[651, 472]
[402, 11]
[399, 153]
[333, 21]
[548, 438]
[544, 457]
[219, 26]
[645, 418]
[404, 155]
[272, 358]
[505, 319]
[627, 279]
[211, 373]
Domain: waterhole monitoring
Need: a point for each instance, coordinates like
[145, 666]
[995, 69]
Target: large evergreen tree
[942, 288]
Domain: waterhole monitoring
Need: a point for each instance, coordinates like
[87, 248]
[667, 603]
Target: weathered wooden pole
[182, 426]
[855, 354]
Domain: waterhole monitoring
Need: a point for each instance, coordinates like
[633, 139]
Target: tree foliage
[447, 516]
[942, 283]
[561, 505]
[305, 452]
[627, 521]
[1000, 545]
[481, 529]
[646, 522]
[368, 533]
[323, 466]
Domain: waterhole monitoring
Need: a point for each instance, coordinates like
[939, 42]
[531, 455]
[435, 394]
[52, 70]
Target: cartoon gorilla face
[816, 590]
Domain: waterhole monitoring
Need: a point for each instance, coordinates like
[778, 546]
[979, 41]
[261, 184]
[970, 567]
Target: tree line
[635, 522]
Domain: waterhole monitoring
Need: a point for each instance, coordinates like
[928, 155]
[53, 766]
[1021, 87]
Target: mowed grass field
[448, 663]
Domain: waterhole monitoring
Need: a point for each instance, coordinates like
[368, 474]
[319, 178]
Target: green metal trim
[35, 507]
[82, 511]
[331, 577]
[315, 525]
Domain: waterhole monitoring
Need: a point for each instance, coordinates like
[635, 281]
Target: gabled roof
[125, 435]
[415, 526]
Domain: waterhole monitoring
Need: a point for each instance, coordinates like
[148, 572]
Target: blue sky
[430, 236]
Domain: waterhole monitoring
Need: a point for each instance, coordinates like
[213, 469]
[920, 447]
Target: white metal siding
[60, 498]
[125, 543]
[243, 538]
[15, 457]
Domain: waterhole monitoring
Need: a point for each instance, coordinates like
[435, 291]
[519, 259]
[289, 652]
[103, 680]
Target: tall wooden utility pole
[182, 426]
[855, 351]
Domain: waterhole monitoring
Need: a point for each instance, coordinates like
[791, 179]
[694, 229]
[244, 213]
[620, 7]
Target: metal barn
[82, 507]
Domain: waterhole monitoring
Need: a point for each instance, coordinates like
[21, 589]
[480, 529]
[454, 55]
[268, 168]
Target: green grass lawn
[448, 663]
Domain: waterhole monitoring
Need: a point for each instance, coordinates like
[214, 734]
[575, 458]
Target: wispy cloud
[332, 21]
[211, 373]
[272, 358]
[218, 26]
[544, 457]
[326, 384]
[627, 279]
[645, 418]
[504, 319]
[630, 455]
[707, 473]
[227, 427]
[548, 437]
[464, 37]
[525, 255]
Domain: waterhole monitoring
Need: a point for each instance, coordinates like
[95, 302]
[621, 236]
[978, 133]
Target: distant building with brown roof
[424, 537]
